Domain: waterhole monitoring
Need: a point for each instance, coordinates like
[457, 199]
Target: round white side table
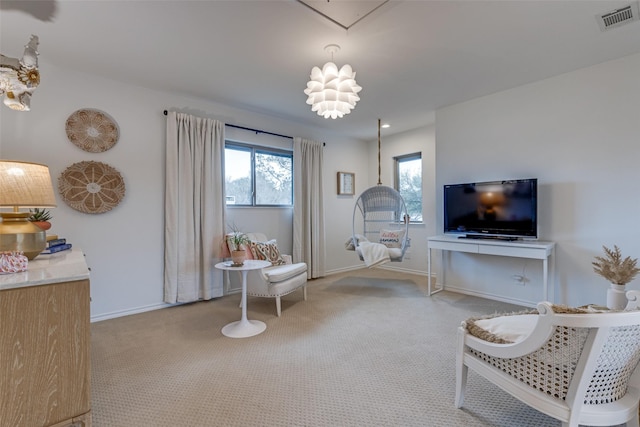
[244, 328]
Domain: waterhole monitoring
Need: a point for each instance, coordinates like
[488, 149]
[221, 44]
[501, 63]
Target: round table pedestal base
[244, 328]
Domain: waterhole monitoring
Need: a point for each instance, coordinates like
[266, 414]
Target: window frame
[397, 160]
[261, 149]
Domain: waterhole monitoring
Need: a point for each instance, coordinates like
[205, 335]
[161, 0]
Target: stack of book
[55, 244]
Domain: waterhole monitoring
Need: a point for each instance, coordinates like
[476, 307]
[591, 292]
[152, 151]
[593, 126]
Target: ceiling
[410, 57]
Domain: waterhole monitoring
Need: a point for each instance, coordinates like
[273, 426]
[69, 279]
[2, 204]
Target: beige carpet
[367, 348]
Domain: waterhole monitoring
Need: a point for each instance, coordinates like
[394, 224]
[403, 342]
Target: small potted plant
[236, 241]
[618, 271]
[40, 217]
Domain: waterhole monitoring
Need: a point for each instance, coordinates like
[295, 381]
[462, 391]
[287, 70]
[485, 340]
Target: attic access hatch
[618, 17]
[345, 13]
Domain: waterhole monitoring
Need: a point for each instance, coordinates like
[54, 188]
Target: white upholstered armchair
[277, 280]
[574, 365]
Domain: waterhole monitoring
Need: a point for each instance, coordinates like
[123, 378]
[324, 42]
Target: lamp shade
[332, 93]
[26, 185]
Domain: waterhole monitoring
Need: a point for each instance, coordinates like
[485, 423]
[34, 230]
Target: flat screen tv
[495, 209]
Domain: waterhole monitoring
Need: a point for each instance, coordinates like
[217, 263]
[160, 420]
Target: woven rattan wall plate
[92, 130]
[91, 187]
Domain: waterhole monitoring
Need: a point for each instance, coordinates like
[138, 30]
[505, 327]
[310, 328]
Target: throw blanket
[373, 254]
[351, 246]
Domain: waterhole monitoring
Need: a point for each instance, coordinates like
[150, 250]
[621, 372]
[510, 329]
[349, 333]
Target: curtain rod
[250, 129]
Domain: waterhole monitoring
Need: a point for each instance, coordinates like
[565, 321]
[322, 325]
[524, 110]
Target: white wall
[124, 247]
[339, 208]
[579, 134]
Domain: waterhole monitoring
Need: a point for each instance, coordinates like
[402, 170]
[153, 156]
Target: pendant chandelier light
[332, 92]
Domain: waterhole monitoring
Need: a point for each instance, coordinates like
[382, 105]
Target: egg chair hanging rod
[379, 168]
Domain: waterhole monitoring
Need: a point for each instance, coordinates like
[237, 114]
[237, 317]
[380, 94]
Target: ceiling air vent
[618, 17]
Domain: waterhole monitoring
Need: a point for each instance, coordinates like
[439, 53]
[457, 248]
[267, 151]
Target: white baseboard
[394, 267]
[343, 270]
[136, 310]
[487, 295]
[388, 266]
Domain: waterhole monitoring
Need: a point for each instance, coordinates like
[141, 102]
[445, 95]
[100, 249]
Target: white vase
[616, 297]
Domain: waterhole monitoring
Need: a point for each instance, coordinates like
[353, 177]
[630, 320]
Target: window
[408, 181]
[258, 176]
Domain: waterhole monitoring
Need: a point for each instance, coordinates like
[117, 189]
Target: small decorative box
[13, 262]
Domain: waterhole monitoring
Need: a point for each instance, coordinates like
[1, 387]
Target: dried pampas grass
[614, 268]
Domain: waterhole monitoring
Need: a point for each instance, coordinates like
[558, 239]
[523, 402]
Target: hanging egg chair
[380, 223]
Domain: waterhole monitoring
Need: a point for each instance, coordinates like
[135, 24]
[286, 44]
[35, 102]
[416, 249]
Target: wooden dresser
[44, 343]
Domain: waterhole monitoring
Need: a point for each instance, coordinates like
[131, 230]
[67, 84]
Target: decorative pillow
[391, 238]
[267, 251]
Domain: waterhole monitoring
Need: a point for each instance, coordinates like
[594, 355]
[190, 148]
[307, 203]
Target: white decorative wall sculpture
[20, 77]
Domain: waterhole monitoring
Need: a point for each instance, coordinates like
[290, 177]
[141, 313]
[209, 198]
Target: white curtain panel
[308, 209]
[194, 208]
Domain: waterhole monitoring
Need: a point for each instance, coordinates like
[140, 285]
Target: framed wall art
[346, 183]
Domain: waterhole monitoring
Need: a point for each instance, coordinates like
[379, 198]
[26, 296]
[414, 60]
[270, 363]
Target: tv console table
[531, 249]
